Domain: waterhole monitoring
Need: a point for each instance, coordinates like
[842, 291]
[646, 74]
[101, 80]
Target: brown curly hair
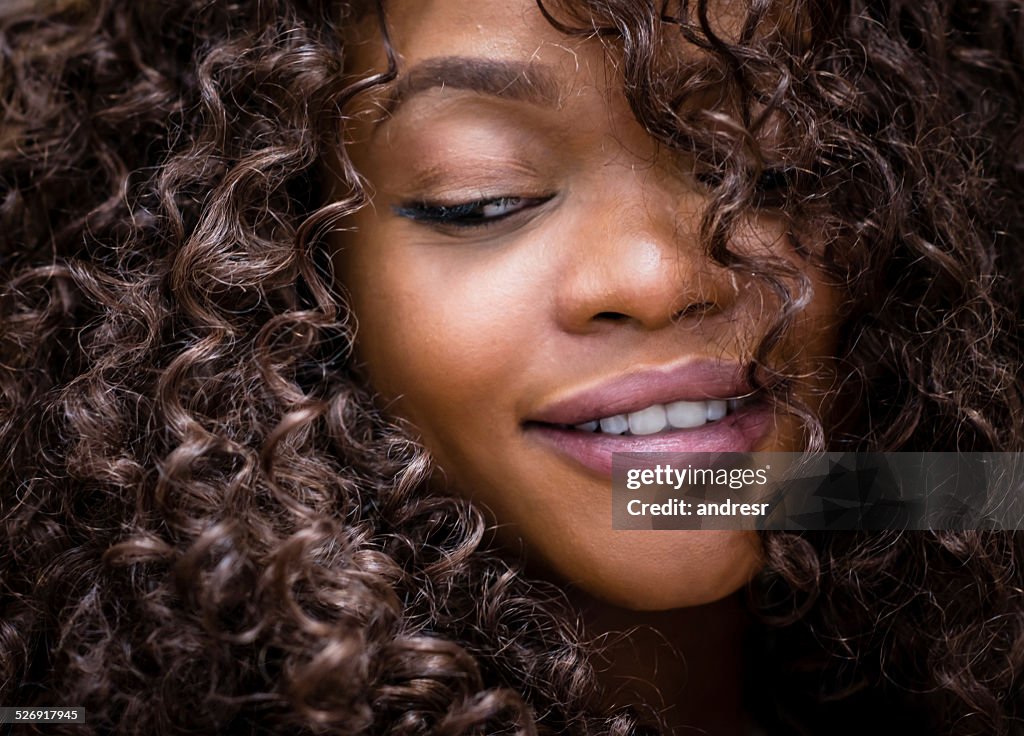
[209, 527]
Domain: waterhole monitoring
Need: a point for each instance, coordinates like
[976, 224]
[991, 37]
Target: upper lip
[698, 380]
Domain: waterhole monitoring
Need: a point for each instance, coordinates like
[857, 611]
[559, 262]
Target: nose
[640, 262]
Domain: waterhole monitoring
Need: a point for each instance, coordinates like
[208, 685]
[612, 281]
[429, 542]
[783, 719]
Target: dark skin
[526, 237]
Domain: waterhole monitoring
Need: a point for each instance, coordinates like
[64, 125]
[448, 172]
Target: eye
[478, 213]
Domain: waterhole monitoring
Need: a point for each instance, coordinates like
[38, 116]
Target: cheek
[440, 333]
[810, 347]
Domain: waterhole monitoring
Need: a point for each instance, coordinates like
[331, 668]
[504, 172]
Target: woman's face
[530, 265]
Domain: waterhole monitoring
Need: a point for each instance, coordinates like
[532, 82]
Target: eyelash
[467, 214]
[472, 214]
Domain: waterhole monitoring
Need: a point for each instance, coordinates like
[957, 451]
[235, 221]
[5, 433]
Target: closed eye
[477, 213]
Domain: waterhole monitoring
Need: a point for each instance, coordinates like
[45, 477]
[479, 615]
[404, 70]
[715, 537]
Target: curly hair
[210, 527]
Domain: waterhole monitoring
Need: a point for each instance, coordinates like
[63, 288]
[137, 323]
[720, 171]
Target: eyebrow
[515, 80]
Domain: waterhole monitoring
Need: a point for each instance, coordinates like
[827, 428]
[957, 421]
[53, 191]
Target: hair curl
[208, 525]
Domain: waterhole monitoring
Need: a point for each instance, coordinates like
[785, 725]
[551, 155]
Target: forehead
[518, 30]
[498, 30]
[510, 49]
[499, 48]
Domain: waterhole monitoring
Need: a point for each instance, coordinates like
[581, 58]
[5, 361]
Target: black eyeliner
[462, 215]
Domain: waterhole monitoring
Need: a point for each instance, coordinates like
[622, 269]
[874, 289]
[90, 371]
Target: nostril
[611, 316]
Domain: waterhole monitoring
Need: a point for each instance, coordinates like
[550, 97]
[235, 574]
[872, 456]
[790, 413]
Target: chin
[663, 570]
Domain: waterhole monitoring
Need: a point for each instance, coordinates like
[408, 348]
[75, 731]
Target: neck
[683, 666]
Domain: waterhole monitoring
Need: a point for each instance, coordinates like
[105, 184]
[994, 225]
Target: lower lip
[738, 432]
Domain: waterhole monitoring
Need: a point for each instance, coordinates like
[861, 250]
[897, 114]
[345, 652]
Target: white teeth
[658, 417]
[648, 421]
[617, 424]
[716, 410]
[686, 414]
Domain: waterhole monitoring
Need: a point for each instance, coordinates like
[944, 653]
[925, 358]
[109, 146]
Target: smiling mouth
[658, 418]
[712, 425]
[692, 406]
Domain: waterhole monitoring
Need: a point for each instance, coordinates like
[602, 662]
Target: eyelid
[456, 216]
[478, 176]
